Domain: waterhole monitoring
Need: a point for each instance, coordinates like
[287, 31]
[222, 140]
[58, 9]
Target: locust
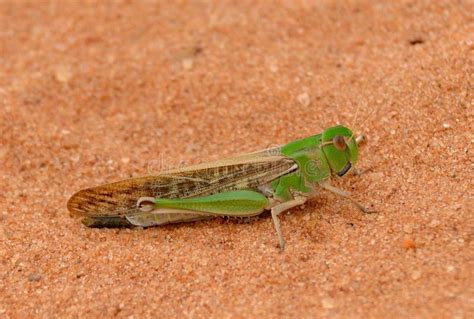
[275, 179]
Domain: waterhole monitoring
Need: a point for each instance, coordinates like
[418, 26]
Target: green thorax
[312, 164]
[312, 167]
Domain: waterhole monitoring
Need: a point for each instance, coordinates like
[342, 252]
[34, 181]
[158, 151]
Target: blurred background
[97, 91]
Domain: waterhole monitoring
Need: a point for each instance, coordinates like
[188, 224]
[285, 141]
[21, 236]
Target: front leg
[344, 194]
[279, 208]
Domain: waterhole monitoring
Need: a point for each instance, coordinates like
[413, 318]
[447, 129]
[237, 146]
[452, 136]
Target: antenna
[365, 121]
[354, 122]
[370, 114]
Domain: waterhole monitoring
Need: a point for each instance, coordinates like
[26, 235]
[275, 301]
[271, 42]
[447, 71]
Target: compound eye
[339, 142]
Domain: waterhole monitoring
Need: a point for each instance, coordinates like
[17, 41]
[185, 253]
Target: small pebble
[328, 303]
[409, 244]
[187, 64]
[434, 223]
[304, 99]
[75, 158]
[408, 229]
[63, 74]
[34, 277]
[415, 275]
[376, 176]
[274, 68]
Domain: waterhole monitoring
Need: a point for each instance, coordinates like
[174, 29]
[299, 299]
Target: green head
[339, 146]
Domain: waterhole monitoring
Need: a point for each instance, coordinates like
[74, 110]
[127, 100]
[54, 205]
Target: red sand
[92, 93]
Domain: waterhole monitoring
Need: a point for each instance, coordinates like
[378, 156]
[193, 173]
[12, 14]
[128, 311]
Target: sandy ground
[92, 93]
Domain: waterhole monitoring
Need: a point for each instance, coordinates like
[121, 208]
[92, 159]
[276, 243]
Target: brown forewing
[120, 198]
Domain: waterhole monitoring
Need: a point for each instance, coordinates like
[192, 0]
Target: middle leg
[276, 210]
